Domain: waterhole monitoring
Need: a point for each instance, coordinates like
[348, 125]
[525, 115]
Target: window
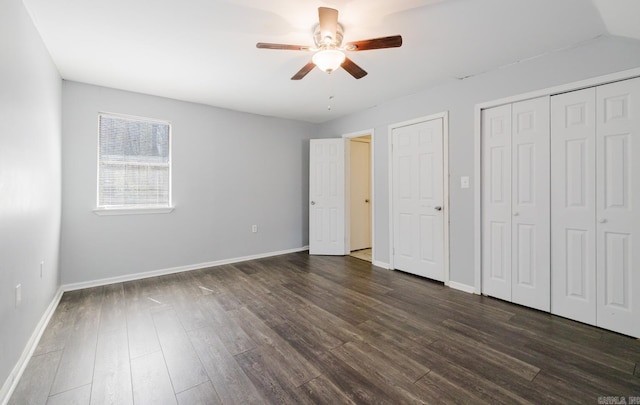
[134, 166]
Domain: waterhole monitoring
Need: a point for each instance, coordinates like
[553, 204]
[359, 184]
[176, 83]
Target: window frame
[133, 209]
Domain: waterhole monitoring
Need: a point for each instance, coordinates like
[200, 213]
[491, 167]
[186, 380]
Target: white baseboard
[384, 265]
[14, 377]
[462, 287]
[162, 272]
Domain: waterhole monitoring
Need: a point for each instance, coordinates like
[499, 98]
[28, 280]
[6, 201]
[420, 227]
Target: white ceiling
[204, 50]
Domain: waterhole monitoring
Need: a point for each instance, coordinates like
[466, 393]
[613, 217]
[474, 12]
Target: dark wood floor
[297, 329]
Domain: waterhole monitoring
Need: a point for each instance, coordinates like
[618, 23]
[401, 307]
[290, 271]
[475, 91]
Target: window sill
[132, 211]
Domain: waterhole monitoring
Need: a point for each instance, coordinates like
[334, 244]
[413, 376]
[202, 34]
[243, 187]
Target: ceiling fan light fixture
[328, 60]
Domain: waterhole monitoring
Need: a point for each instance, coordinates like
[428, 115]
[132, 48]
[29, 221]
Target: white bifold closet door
[496, 202]
[596, 206]
[573, 197]
[618, 206]
[516, 206]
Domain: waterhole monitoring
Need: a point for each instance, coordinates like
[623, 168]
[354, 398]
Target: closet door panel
[573, 205]
[618, 206]
[530, 204]
[496, 202]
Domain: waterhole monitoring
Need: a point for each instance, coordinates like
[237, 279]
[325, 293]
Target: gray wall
[601, 56]
[230, 170]
[29, 180]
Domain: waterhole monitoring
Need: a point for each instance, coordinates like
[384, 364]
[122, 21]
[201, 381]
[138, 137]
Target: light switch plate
[464, 182]
[18, 295]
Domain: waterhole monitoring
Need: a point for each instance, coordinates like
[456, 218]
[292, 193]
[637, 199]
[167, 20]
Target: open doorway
[360, 197]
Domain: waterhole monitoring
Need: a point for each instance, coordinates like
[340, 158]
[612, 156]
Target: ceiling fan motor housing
[327, 42]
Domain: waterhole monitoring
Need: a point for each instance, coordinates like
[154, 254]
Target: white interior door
[418, 199]
[360, 194]
[326, 197]
[573, 205]
[496, 202]
[530, 205]
[618, 206]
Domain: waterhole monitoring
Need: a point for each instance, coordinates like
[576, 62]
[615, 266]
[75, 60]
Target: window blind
[134, 163]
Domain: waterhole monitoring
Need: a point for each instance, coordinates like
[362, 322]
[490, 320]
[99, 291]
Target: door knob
[602, 221]
[438, 208]
[367, 201]
[515, 214]
[313, 203]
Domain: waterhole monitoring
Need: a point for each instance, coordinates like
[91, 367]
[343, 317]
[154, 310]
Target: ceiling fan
[329, 52]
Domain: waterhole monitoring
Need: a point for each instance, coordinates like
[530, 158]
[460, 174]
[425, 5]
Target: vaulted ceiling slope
[204, 50]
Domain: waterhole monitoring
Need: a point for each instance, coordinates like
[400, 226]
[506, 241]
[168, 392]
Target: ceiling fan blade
[328, 18]
[263, 45]
[303, 72]
[353, 69]
[394, 41]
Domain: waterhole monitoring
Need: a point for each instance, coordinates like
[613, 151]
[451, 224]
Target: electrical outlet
[41, 268]
[254, 228]
[18, 295]
[464, 182]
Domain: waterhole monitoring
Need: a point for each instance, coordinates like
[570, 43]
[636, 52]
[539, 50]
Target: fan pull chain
[330, 87]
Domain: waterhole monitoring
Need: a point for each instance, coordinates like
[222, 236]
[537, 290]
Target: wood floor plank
[35, 384]
[565, 389]
[311, 335]
[229, 332]
[298, 369]
[440, 390]
[494, 359]
[385, 359]
[150, 381]
[605, 379]
[483, 388]
[273, 387]
[336, 326]
[112, 374]
[397, 385]
[322, 391]
[61, 324]
[202, 394]
[323, 299]
[553, 367]
[360, 282]
[141, 331]
[184, 302]
[229, 380]
[76, 396]
[484, 366]
[292, 301]
[76, 365]
[113, 311]
[183, 364]
[206, 283]
[353, 384]
[600, 355]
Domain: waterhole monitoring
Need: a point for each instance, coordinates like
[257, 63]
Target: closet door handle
[438, 208]
[602, 220]
[515, 214]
